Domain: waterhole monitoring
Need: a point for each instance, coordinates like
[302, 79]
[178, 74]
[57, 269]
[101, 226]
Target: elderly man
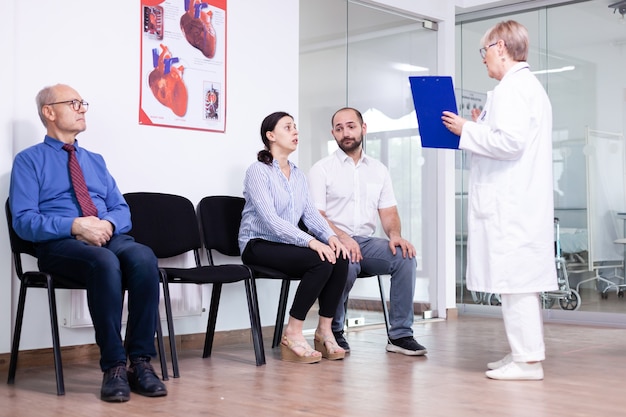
[64, 200]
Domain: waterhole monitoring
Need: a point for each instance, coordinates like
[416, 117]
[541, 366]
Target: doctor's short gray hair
[514, 35]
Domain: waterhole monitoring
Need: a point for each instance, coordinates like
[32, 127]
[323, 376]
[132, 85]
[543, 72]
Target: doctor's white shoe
[517, 371]
[498, 364]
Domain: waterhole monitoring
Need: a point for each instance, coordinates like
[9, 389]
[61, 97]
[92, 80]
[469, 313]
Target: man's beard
[356, 142]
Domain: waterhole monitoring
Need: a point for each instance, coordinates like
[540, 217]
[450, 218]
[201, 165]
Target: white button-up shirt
[351, 194]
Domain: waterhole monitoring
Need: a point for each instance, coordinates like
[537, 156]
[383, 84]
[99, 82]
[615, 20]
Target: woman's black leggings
[318, 279]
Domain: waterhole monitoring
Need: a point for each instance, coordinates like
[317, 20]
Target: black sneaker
[341, 341]
[407, 346]
[115, 384]
[143, 380]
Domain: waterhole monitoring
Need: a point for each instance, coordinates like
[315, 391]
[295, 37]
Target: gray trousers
[378, 260]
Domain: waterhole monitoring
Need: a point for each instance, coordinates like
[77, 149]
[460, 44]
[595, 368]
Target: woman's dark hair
[268, 125]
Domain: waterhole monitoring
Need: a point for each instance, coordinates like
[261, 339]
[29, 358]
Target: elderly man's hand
[92, 230]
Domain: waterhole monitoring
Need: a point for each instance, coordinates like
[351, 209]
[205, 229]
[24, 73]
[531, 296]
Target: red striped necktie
[78, 182]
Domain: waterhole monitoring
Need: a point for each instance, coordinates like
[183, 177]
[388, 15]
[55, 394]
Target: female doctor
[511, 211]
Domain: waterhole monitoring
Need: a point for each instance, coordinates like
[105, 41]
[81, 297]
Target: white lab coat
[510, 197]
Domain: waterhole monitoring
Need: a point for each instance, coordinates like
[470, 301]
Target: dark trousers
[319, 279]
[105, 272]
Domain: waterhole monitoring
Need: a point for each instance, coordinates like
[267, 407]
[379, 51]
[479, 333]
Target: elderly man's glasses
[483, 51]
[75, 104]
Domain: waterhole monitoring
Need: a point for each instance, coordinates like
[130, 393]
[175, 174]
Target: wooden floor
[585, 375]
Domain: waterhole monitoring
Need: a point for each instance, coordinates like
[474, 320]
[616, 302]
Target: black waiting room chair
[169, 225]
[219, 227]
[230, 208]
[42, 279]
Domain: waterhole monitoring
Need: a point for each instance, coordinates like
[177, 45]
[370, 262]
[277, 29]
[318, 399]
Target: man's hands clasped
[92, 230]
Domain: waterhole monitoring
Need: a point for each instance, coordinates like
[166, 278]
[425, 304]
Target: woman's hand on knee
[323, 250]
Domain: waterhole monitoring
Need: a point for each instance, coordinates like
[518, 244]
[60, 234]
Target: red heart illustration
[166, 82]
[198, 28]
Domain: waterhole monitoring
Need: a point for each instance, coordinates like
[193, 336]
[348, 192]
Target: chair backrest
[167, 223]
[37, 278]
[220, 217]
[18, 245]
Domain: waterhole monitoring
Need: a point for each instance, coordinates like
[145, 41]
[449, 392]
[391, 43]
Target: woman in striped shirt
[277, 200]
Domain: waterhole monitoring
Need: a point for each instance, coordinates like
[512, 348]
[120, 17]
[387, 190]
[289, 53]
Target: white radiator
[73, 310]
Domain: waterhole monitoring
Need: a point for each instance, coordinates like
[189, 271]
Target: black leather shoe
[341, 341]
[143, 380]
[115, 384]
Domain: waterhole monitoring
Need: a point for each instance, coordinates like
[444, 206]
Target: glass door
[353, 54]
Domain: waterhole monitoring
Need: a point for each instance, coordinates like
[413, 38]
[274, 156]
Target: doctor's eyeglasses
[483, 51]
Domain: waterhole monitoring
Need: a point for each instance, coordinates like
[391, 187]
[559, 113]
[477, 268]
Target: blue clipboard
[431, 96]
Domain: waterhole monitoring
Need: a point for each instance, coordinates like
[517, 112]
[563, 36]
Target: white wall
[96, 50]
[7, 93]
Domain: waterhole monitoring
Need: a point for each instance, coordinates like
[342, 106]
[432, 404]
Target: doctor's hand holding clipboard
[454, 123]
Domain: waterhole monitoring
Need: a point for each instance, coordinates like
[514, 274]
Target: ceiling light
[409, 68]
[553, 70]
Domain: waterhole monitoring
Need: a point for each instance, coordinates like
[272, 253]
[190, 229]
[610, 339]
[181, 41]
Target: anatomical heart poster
[183, 64]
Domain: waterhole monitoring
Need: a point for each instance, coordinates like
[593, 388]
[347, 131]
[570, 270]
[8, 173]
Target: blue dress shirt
[42, 199]
[275, 205]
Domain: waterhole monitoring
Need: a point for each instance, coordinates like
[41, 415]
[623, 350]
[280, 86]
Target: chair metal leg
[255, 322]
[170, 323]
[280, 314]
[381, 287]
[161, 346]
[17, 332]
[56, 345]
[210, 327]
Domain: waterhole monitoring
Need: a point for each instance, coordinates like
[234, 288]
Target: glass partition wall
[578, 52]
[353, 54]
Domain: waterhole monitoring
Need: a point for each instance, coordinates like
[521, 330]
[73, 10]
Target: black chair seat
[36, 279]
[263, 271]
[224, 274]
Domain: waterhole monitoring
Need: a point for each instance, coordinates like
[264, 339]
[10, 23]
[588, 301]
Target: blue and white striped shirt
[275, 205]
